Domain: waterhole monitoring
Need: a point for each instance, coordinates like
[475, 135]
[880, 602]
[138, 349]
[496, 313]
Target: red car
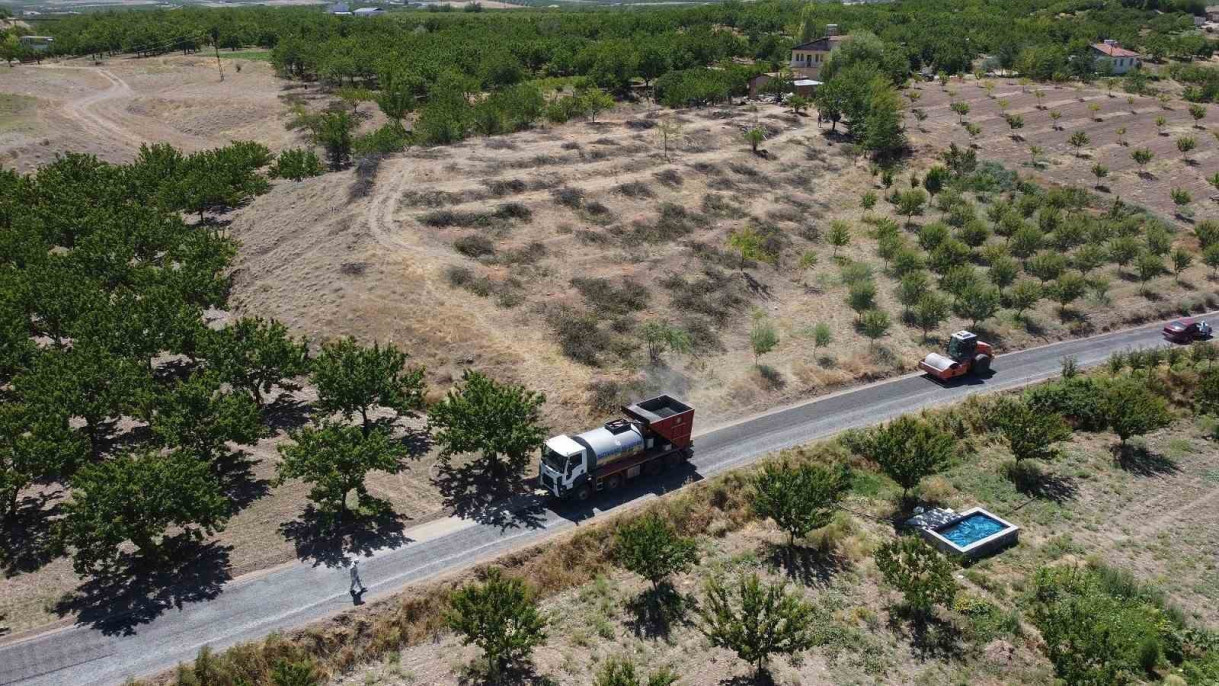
[1187, 330]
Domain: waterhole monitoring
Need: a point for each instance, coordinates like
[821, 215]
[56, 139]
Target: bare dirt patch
[109, 109]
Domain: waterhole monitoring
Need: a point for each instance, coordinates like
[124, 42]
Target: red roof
[1113, 50]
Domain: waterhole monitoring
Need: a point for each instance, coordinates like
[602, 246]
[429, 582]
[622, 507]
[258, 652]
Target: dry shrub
[501, 187]
[673, 222]
[668, 177]
[474, 245]
[604, 297]
[568, 197]
[720, 205]
[582, 337]
[366, 169]
[596, 211]
[744, 170]
[589, 237]
[608, 394]
[499, 143]
[785, 214]
[530, 253]
[570, 145]
[634, 189]
[640, 124]
[714, 294]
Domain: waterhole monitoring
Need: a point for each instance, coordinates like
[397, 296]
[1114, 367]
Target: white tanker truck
[654, 436]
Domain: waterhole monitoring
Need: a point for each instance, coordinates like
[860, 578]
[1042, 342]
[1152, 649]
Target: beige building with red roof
[1123, 60]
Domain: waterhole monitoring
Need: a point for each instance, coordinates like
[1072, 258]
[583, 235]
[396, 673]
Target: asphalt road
[251, 607]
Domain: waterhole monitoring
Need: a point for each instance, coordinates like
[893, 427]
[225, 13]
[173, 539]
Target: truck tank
[617, 440]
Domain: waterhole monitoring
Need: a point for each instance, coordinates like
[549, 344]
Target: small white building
[1123, 60]
[369, 12]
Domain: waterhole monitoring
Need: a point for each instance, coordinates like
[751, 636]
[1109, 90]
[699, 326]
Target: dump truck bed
[665, 416]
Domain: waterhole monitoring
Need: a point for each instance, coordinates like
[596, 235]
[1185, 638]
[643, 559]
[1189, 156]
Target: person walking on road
[357, 586]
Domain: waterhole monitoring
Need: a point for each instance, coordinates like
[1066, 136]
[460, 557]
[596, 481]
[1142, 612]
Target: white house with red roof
[1123, 60]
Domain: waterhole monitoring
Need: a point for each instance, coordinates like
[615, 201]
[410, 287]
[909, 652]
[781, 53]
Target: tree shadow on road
[656, 611]
[137, 590]
[472, 492]
[28, 542]
[320, 541]
[1138, 460]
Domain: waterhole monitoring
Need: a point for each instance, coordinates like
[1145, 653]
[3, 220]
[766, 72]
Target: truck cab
[563, 465]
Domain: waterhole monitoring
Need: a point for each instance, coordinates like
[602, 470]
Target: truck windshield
[554, 460]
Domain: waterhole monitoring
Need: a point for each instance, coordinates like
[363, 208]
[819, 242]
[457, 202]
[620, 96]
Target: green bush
[296, 164]
[1079, 400]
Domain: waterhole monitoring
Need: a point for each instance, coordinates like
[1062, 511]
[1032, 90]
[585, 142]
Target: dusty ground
[109, 109]
[1162, 526]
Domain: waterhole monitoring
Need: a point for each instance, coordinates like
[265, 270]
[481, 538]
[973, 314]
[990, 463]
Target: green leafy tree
[977, 303]
[1003, 272]
[1024, 295]
[200, 418]
[499, 615]
[1132, 409]
[861, 296]
[334, 459]
[910, 203]
[86, 381]
[1089, 258]
[35, 444]
[961, 108]
[1123, 250]
[1068, 288]
[840, 234]
[874, 324]
[352, 380]
[650, 547]
[1092, 636]
[1185, 145]
[756, 621]
[930, 312]
[1141, 157]
[138, 498]
[255, 355]
[1078, 140]
[1181, 260]
[595, 102]
[755, 137]
[911, 289]
[908, 449]
[333, 132]
[296, 164]
[1100, 171]
[763, 338]
[1210, 257]
[822, 336]
[1197, 110]
[1149, 266]
[500, 422]
[661, 336]
[399, 95]
[799, 498]
[750, 244]
[919, 572]
[1030, 432]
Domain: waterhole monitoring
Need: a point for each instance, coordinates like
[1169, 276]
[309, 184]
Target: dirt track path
[94, 120]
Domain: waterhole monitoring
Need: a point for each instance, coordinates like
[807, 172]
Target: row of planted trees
[117, 387]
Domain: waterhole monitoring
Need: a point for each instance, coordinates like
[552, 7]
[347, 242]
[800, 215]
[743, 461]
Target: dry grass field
[1162, 526]
[109, 109]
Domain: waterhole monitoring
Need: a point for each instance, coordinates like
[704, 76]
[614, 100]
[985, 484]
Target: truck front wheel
[584, 492]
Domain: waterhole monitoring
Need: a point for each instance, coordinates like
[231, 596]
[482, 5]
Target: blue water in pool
[972, 529]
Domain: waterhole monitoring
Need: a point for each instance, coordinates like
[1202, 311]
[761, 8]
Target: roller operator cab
[965, 354]
[652, 436]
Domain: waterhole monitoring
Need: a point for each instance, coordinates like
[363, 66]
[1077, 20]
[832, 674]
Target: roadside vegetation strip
[1136, 392]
